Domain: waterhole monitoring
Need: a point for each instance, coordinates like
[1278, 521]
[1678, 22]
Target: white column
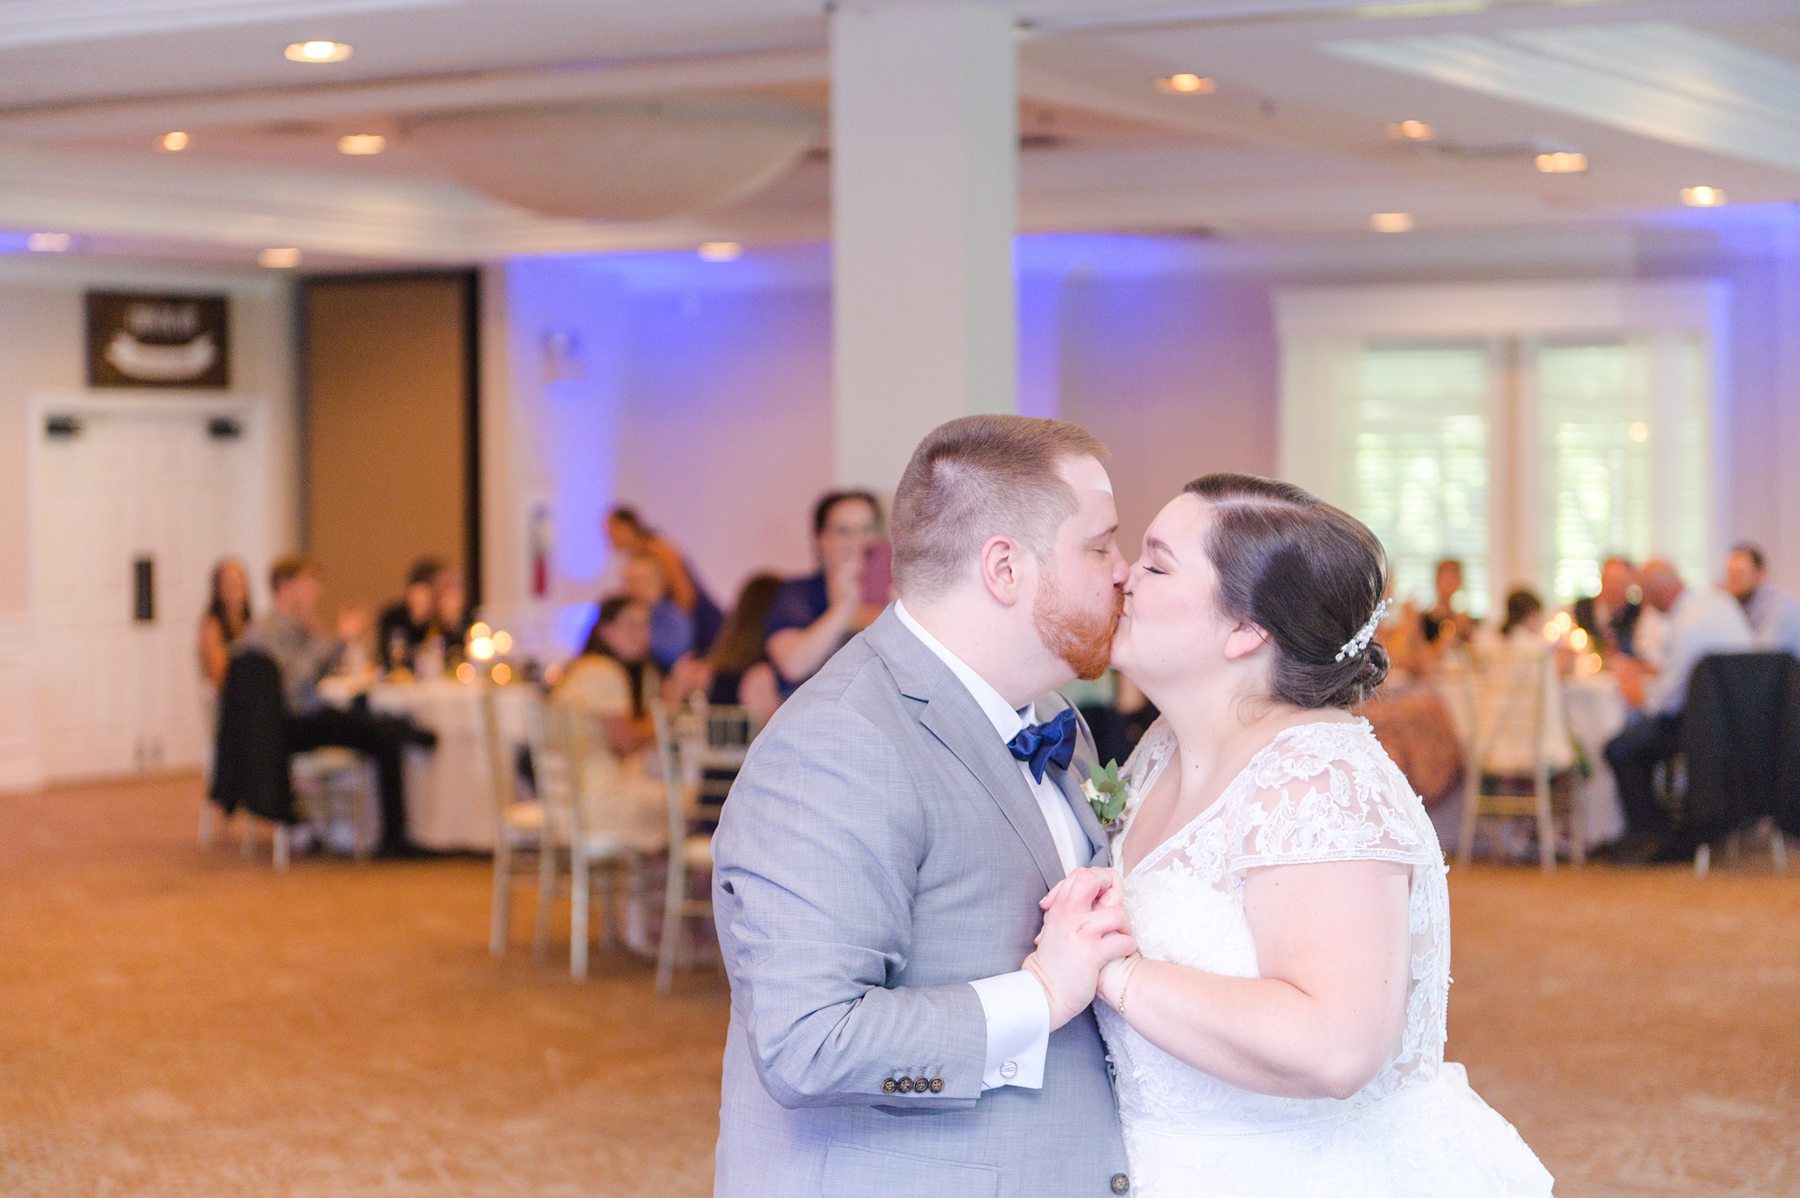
[924, 166]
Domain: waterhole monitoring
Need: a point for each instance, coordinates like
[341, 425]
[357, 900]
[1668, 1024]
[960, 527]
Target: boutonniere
[1105, 792]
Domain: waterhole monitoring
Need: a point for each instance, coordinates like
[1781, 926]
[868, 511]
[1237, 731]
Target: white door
[129, 515]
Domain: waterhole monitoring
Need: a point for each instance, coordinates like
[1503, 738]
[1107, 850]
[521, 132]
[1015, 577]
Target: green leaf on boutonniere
[1105, 792]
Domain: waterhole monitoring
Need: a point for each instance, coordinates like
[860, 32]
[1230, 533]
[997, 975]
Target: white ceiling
[1660, 94]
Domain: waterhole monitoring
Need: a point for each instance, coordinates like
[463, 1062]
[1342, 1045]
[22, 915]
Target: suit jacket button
[905, 1085]
[889, 1085]
[937, 1085]
[1121, 1184]
[921, 1085]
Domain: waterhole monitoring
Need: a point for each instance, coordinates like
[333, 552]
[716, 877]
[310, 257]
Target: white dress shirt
[1775, 618]
[1704, 620]
[1017, 1009]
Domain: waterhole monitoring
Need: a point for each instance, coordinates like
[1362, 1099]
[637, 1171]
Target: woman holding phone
[813, 616]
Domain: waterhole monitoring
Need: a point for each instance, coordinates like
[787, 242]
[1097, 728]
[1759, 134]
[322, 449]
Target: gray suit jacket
[879, 851]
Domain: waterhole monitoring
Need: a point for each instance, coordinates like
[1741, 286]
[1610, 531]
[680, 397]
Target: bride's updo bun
[1308, 574]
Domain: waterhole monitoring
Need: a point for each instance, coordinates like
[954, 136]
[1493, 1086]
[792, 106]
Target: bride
[1281, 1031]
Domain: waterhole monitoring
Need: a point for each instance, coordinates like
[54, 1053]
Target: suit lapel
[950, 714]
[965, 731]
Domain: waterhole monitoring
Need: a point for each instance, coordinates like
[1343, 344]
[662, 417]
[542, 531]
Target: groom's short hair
[979, 477]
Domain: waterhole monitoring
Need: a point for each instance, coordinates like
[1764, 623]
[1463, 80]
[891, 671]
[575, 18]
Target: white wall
[726, 440]
[42, 347]
[708, 402]
[706, 398]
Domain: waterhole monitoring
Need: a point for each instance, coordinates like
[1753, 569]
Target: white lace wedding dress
[1317, 792]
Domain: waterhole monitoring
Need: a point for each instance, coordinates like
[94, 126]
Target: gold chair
[1519, 735]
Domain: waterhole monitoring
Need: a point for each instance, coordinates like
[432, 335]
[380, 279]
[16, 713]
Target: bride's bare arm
[1332, 944]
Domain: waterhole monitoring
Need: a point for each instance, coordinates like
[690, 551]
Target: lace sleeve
[1325, 798]
[1147, 760]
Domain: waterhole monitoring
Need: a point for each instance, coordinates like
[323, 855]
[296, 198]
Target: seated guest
[812, 617]
[450, 605]
[409, 622]
[1523, 627]
[290, 637]
[628, 535]
[739, 663]
[1524, 615]
[1444, 623]
[1774, 614]
[1611, 617]
[1699, 621]
[1511, 675]
[671, 628]
[227, 615]
[615, 681]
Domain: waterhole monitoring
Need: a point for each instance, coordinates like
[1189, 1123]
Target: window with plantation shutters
[1417, 443]
[1530, 432]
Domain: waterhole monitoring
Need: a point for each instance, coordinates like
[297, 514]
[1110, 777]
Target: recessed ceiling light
[1186, 84]
[1391, 222]
[1702, 197]
[721, 251]
[1409, 131]
[362, 143]
[1562, 162]
[279, 258]
[48, 243]
[317, 52]
[1638, 431]
[172, 143]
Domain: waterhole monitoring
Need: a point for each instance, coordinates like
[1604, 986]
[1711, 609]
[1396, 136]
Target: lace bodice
[1317, 792]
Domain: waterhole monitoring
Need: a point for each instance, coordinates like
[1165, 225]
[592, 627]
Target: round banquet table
[1417, 727]
[1424, 726]
[450, 799]
[1596, 712]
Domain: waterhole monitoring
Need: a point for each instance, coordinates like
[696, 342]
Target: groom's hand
[1084, 928]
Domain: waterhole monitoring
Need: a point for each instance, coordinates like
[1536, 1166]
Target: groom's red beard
[1080, 638]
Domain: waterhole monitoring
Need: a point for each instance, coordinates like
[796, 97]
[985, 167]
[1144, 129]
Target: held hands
[1085, 927]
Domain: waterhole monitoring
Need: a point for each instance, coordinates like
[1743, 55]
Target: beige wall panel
[386, 429]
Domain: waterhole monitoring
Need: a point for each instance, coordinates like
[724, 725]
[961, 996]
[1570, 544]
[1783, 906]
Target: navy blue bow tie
[1046, 744]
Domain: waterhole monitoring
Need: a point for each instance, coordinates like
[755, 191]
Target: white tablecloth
[450, 801]
[1596, 715]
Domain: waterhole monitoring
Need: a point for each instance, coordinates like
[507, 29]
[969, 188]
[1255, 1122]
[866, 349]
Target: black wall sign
[157, 340]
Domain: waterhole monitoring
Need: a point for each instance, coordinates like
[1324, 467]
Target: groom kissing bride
[938, 961]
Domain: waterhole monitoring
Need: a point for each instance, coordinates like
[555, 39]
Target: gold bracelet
[1130, 972]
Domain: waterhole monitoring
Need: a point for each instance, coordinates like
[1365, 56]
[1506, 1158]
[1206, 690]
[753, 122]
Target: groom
[879, 863]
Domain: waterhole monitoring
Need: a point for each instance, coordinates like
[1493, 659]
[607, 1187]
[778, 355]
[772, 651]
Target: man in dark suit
[1611, 617]
[289, 636]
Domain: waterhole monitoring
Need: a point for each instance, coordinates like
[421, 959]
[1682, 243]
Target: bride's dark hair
[1308, 574]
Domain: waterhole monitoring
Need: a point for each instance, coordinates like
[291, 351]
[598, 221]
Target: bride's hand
[1109, 893]
[1111, 888]
[1083, 929]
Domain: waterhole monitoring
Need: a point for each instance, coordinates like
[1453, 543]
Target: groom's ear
[1003, 569]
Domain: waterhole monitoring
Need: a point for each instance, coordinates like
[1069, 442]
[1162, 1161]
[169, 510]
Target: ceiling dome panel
[618, 160]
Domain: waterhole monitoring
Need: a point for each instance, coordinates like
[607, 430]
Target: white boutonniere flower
[1105, 792]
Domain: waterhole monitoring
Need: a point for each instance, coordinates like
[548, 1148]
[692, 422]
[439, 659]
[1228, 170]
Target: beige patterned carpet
[181, 1022]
